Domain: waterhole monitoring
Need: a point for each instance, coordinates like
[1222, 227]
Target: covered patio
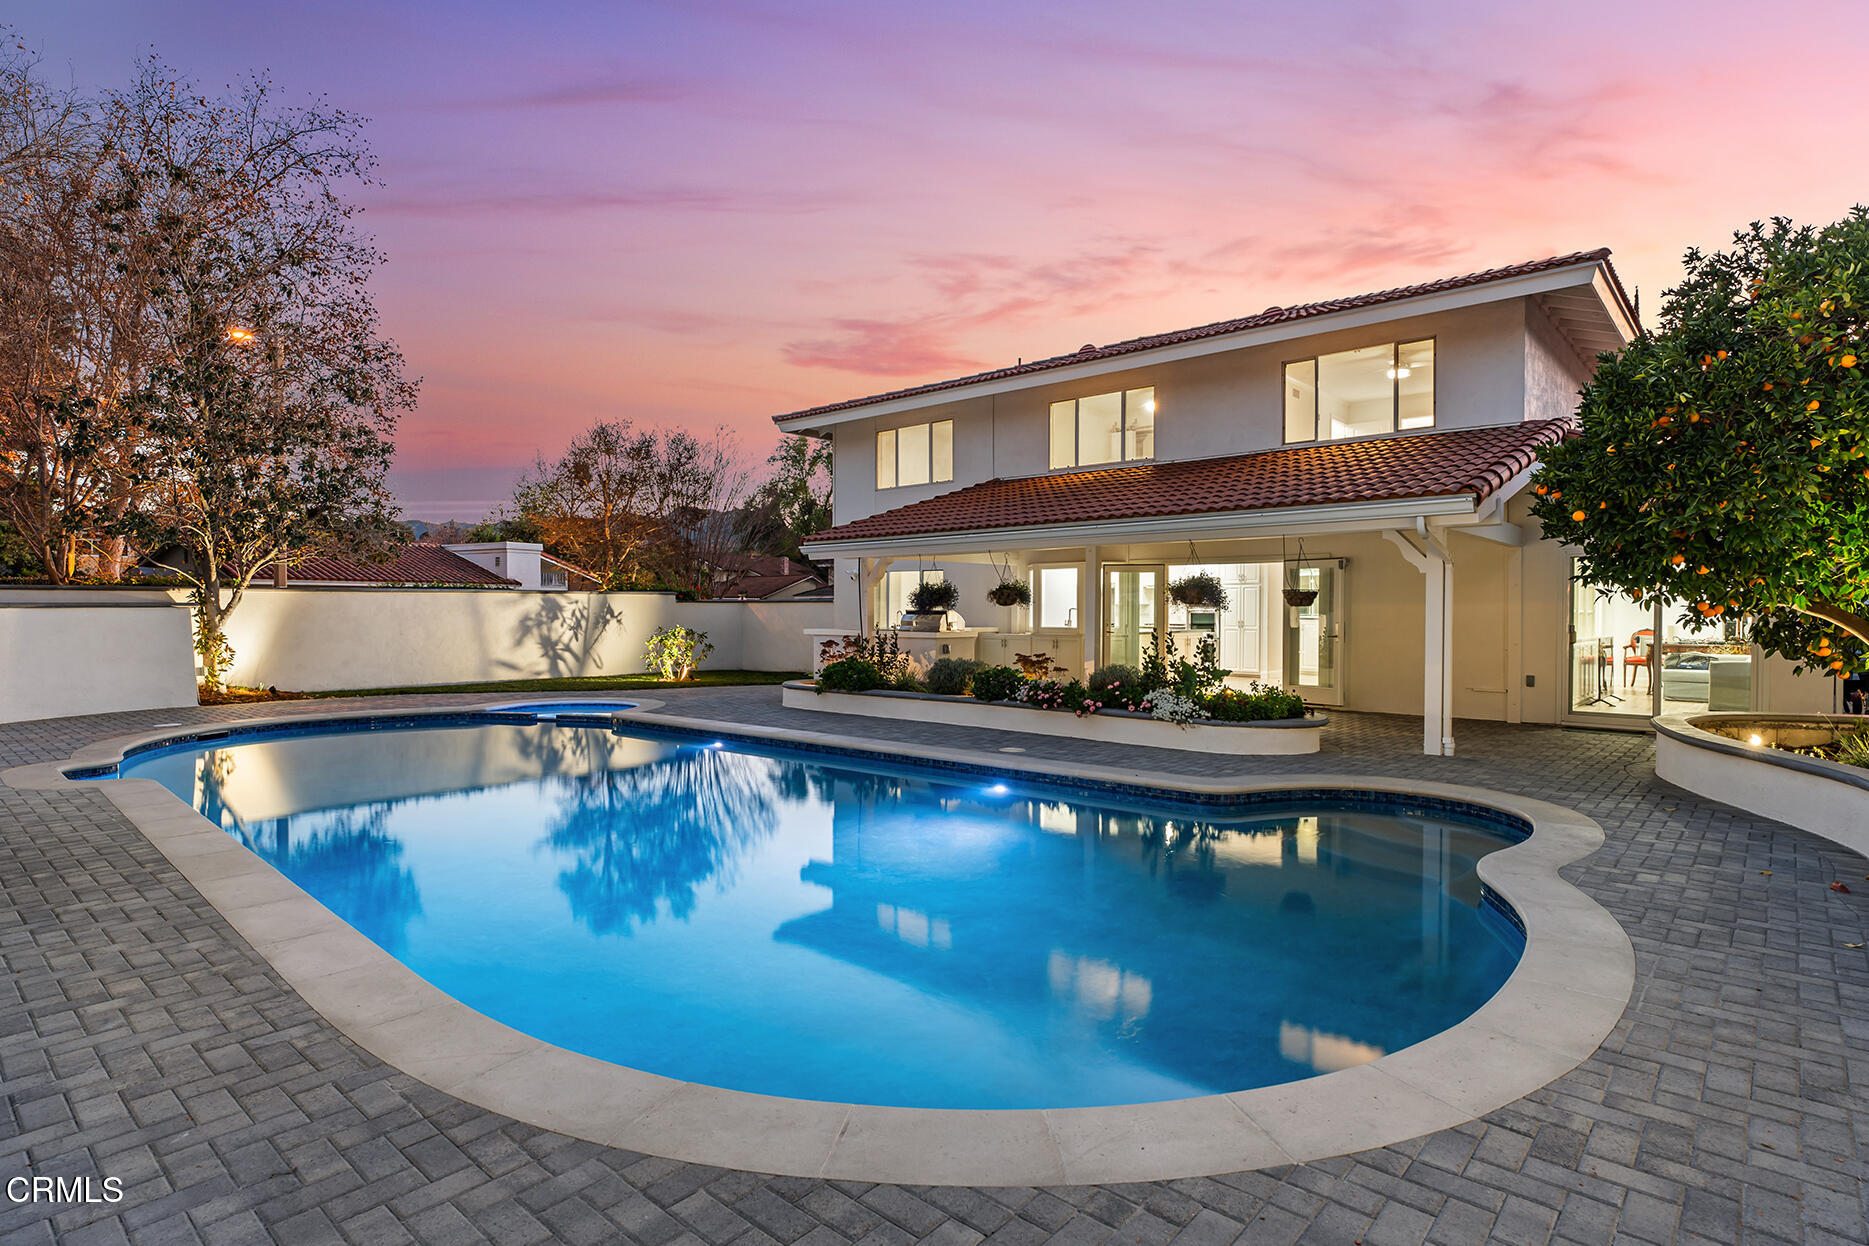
[1374, 529]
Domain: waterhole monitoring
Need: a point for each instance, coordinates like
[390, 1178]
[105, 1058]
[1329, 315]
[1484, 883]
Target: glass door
[1132, 610]
[1314, 633]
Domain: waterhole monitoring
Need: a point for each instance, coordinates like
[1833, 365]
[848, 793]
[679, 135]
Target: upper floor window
[1355, 393]
[916, 454]
[1104, 428]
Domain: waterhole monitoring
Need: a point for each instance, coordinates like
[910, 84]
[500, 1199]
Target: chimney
[785, 564]
[279, 572]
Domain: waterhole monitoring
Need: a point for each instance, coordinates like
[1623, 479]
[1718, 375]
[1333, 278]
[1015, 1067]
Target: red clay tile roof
[1270, 316]
[1473, 461]
[418, 563]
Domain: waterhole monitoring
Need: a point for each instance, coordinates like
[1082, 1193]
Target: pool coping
[1566, 995]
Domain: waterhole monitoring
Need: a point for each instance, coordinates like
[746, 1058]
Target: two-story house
[1373, 449]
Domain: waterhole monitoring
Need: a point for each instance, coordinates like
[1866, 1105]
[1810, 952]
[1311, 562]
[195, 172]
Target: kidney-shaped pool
[821, 928]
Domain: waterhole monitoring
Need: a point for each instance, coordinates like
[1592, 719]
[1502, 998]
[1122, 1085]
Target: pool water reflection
[824, 931]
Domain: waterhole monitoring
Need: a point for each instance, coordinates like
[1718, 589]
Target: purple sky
[702, 214]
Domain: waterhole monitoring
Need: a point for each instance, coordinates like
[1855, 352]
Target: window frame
[883, 617]
[1395, 392]
[1122, 432]
[1036, 572]
[895, 468]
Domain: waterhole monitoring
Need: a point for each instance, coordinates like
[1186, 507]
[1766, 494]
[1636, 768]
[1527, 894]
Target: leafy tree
[635, 506]
[1720, 465]
[795, 501]
[269, 411]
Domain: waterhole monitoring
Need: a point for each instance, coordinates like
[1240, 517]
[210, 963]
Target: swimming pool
[821, 927]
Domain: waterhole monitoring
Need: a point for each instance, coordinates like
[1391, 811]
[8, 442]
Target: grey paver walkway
[141, 1039]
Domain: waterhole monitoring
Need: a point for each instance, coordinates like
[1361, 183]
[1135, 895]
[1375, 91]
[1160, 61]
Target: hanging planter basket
[1201, 591]
[1010, 593]
[1295, 596]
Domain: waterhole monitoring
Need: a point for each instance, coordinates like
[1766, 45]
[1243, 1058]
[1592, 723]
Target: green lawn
[586, 683]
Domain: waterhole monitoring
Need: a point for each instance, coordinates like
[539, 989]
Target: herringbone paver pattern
[141, 1039]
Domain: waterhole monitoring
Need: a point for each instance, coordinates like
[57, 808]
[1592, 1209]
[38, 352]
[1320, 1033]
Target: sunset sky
[704, 214]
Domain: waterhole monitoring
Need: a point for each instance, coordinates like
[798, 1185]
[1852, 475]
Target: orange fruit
[1677, 560]
[1848, 361]
[1577, 515]
[1812, 405]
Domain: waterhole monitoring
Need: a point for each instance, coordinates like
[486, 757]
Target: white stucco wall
[94, 656]
[320, 640]
[1230, 403]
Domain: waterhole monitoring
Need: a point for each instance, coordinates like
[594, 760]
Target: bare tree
[74, 333]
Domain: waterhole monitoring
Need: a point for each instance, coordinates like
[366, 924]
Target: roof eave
[1208, 525]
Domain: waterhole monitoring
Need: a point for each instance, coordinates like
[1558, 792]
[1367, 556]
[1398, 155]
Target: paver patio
[140, 1038]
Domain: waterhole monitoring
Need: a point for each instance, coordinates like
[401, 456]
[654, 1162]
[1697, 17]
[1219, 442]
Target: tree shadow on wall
[564, 632]
[649, 838]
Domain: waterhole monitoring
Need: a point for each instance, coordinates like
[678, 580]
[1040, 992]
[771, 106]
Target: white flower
[1172, 707]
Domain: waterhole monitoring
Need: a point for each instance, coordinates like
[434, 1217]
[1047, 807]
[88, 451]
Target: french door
[1314, 633]
[1133, 605]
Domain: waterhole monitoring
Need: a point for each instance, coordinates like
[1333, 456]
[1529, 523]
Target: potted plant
[929, 603]
[1010, 592]
[1202, 591]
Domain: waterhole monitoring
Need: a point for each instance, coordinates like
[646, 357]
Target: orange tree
[1719, 466]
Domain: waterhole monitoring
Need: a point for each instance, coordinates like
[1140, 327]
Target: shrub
[1254, 704]
[1053, 694]
[1117, 686]
[934, 597]
[997, 683]
[950, 676]
[883, 651]
[673, 652]
[850, 675]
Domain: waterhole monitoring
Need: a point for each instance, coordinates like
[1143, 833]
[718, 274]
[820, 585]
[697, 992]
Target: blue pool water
[812, 927]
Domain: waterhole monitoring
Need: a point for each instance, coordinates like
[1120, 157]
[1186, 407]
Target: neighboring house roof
[1270, 316]
[417, 563]
[573, 572]
[1472, 461]
[764, 586]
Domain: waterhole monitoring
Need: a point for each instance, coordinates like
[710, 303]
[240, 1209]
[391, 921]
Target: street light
[241, 337]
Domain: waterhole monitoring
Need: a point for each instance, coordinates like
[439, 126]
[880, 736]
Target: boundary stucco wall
[326, 639]
[94, 657]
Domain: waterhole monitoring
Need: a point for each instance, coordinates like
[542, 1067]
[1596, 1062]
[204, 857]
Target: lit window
[1103, 428]
[1358, 393]
[896, 587]
[917, 454]
[1057, 602]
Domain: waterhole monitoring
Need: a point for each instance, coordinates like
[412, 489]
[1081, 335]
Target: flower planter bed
[1268, 736]
[1711, 755]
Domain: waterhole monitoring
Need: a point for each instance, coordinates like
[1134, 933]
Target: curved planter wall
[1820, 796]
[1274, 736]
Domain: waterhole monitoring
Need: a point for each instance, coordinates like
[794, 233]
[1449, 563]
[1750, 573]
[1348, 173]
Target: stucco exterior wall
[94, 657]
[1553, 371]
[384, 638]
[1229, 403]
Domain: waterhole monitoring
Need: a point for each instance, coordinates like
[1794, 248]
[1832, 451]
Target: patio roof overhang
[1373, 484]
[1210, 526]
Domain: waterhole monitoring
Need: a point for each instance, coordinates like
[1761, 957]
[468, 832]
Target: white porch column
[869, 572]
[1091, 591]
[1428, 555]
